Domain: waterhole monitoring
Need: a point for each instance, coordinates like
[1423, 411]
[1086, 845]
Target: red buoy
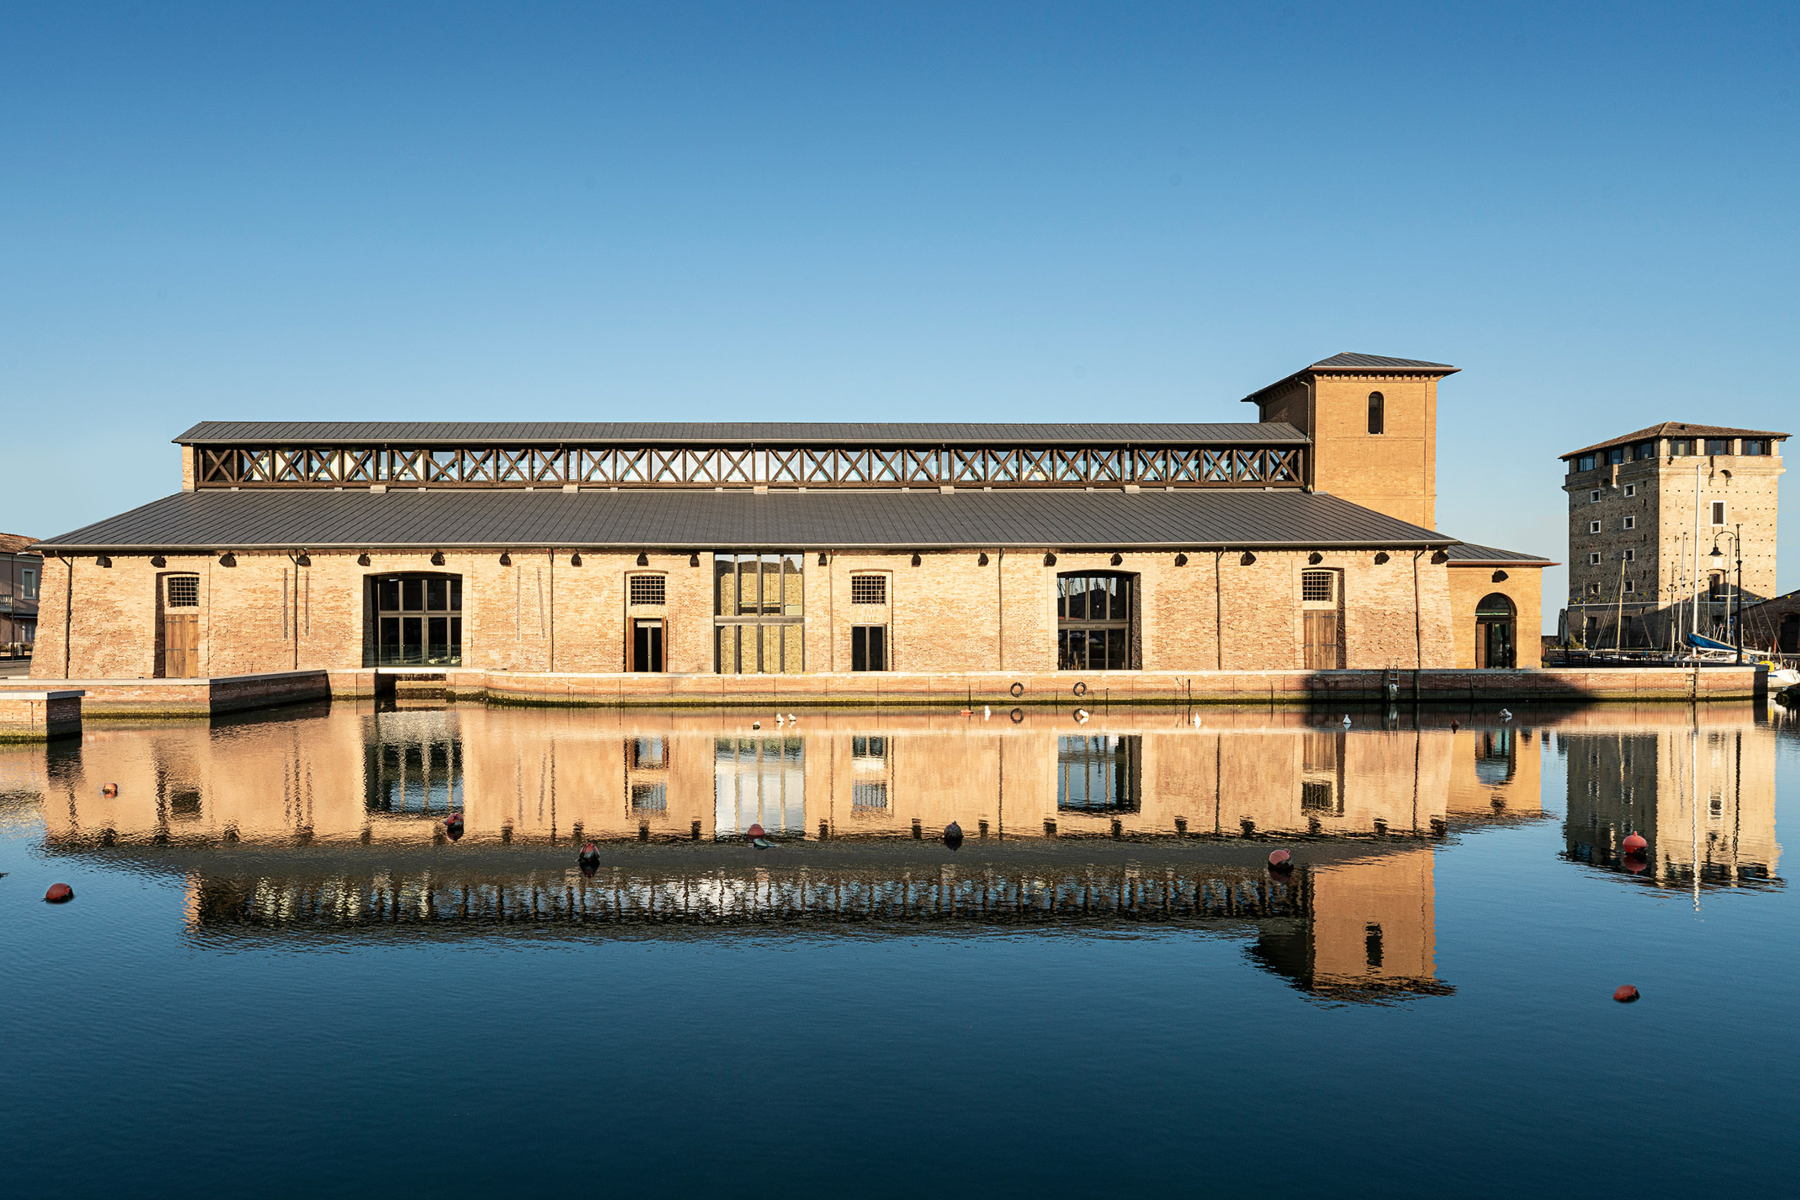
[1635, 863]
[453, 825]
[59, 893]
[1635, 844]
[1625, 994]
[755, 831]
[1280, 860]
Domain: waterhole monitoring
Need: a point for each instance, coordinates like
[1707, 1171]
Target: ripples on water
[277, 957]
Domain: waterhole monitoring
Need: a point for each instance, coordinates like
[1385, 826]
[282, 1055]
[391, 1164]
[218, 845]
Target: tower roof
[1677, 429]
[1351, 362]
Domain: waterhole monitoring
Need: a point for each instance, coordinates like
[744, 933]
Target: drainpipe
[1418, 621]
[1219, 609]
[68, 601]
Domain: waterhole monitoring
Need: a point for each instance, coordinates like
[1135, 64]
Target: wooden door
[647, 646]
[1321, 641]
[181, 645]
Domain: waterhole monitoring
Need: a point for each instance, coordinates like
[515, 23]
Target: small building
[1301, 541]
[1647, 510]
[21, 575]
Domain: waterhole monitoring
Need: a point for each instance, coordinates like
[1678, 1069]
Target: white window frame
[1594, 496]
[1593, 527]
[1630, 523]
[1630, 586]
[1630, 490]
[1593, 558]
[1630, 555]
[28, 583]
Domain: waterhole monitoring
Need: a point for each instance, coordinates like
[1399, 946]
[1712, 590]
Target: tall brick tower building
[1646, 510]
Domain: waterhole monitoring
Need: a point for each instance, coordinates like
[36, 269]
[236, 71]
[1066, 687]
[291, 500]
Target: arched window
[1094, 621]
[1377, 413]
[1494, 620]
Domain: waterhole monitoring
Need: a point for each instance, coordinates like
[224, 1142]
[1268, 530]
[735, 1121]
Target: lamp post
[1737, 552]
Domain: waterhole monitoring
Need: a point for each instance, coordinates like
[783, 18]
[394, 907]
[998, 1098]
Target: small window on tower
[1630, 490]
[1594, 496]
[1315, 585]
[1594, 559]
[1631, 556]
[868, 589]
[1593, 527]
[648, 589]
[1377, 413]
[183, 591]
[1630, 586]
[1631, 522]
[1718, 512]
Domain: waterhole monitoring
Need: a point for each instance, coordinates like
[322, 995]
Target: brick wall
[949, 614]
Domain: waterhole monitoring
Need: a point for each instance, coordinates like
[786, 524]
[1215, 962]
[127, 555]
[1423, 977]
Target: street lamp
[1737, 551]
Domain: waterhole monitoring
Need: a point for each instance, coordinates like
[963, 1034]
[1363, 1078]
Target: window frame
[1072, 631]
[1377, 414]
[1719, 514]
[28, 583]
[782, 616]
[878, 580]
[1593, 527]
[1629, 523]
[869, 649]
[660, 579]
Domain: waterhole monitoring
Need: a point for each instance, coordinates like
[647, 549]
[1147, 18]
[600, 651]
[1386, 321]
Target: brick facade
[542, 613]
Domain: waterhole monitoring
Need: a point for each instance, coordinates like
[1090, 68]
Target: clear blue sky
[907, 212]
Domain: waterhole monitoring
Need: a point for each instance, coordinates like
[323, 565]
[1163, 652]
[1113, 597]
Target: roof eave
[1434, 372]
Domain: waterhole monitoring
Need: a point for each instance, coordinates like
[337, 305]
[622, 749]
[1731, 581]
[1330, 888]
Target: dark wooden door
[647, 646]
[181, 645]
[1321, 641]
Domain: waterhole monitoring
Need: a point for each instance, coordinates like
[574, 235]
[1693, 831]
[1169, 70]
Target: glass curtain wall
[759, 606]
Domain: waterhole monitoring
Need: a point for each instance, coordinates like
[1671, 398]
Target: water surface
[280, 974]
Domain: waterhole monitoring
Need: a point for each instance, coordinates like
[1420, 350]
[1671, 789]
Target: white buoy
[1346, 720]
[986, 712]
[792, 719]
[1506, 714]
[1196, 720]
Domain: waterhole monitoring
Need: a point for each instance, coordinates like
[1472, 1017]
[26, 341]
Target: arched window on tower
[1377, 413]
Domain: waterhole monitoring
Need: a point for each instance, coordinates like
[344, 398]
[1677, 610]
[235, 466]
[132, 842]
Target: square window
[1631, 522]
[1593, 589]
[1718, 445]
[868, 589]
[1593, 527]
[183, 591]
[649, 589]
[1315, 585]
[1631, 556]
[1594, 496]
[1630, 490]
[1594, 558]
[1630, 585]
[1585, 463]
[1681, 447]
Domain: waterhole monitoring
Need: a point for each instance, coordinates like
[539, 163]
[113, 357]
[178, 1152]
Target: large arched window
[1495, 618]
[1377, 413]
[1094, 624]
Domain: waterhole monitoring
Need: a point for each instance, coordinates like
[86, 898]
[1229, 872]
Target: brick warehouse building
[1301, 541]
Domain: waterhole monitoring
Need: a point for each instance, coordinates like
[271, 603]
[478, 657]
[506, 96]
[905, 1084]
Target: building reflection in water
[1702, 797]
[1352, 927]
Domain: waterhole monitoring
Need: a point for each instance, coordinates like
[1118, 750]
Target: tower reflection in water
[1359, 923]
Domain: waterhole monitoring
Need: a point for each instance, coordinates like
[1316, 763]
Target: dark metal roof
[1469, 554]
[1676, 430]
[764, 433]
[1194, 518]
[1351, 361]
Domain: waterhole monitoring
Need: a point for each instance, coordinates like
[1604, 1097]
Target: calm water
[279, 975]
